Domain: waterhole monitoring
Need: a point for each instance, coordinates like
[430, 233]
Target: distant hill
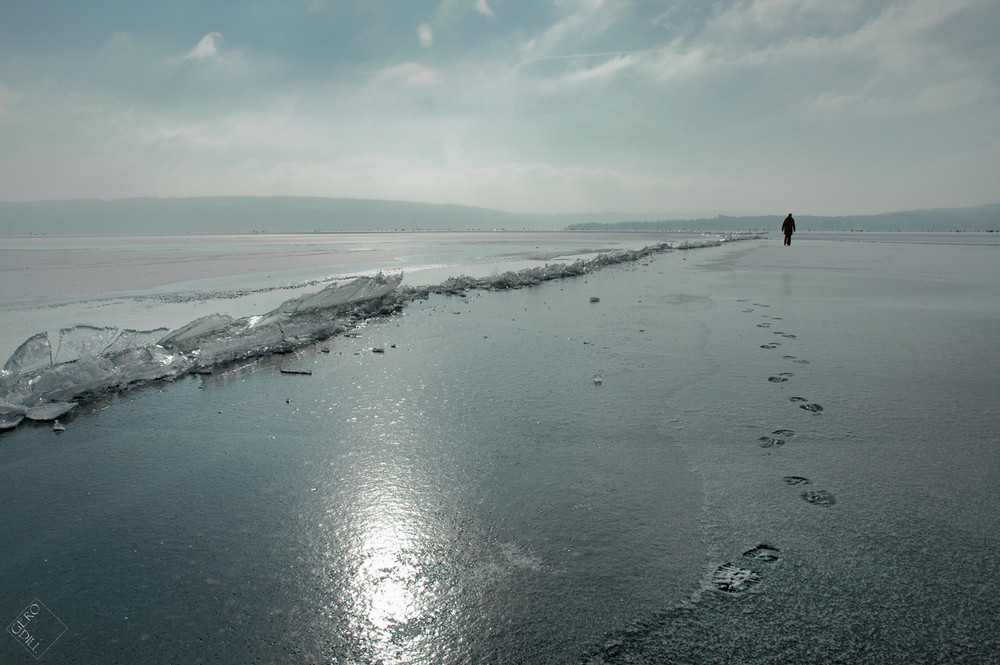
[980, 218]
[248, 214]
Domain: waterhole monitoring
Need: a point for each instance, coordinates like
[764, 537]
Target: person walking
[788, 228]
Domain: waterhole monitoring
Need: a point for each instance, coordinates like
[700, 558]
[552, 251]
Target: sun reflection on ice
[381, 590]
[403, 571]
[386, 584]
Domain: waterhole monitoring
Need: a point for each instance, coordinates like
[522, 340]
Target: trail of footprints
[731, 578]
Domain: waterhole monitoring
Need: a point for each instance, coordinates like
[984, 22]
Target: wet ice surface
[469, 495]
[472, 494]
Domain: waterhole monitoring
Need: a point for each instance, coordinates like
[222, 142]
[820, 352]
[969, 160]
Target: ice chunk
[312, 327]
[241, 340]
[148, 363]
[49, 411]
[82, 341]
[10, 420]
[335, 295]
[339, 294]
[189, 337]
[97, 375]
[11, 416]
[217, 340]
[134, 339]
[93, 360]
[34, 354]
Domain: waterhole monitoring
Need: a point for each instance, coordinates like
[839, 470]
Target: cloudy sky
[666, 106]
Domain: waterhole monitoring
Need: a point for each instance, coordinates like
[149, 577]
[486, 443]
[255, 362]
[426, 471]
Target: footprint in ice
[770, 345]
[788, 335]
[813, 408]
[797, 399]
[819, 497]
[733, 579]
[796, 480]
[796, 360]
[780, 378]
[763, 325]
[762, 552]
[776, 439]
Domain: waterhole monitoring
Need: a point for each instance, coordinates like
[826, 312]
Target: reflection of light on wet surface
[376, 534]
[384, 589]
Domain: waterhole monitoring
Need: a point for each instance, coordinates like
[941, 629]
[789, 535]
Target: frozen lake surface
[148, 282]
[745, 453]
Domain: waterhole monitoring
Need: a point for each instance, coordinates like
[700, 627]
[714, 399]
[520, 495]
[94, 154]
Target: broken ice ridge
[43, 381]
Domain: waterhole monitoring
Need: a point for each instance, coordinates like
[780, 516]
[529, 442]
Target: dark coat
[788, 226]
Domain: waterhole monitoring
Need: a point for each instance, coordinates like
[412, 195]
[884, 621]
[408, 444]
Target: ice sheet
[149, 282]
[846, 429]
[92, 360]
[474, 496]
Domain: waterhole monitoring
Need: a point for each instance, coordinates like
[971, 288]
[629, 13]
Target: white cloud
[426, 35]
[515, 187]
[949, 95]
[933, 98]
[864, 59]
[735, 96]
[581, 22]
[674, 61]
[239, 132]
[780, 16]
[603, 70]
[897, 38]
[483, 8]
[412, 73]
[206, 48]
[901, 38]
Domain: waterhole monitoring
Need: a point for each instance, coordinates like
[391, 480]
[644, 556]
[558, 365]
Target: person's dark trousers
[788, 238]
